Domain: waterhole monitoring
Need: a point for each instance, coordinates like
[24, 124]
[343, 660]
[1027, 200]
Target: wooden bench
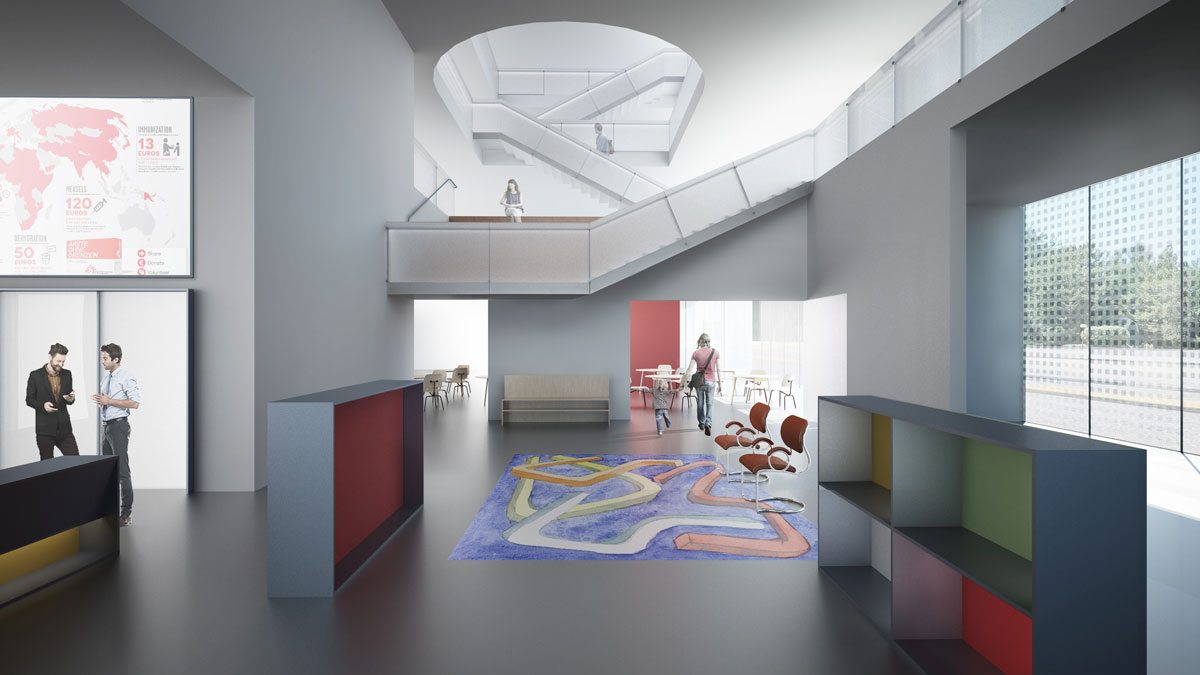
[555, 398]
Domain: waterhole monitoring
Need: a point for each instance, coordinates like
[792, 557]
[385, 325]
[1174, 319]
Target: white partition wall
[823, 351]
[449, 333]
[29, 323]
[152, 329]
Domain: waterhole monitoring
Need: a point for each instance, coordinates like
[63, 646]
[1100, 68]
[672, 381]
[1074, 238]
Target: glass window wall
[1112, 308]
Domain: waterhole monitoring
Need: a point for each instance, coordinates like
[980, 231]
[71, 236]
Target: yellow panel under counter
[32, 557]
[881, 450]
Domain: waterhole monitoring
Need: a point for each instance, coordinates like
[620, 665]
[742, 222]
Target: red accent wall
[653, 337]
[993, 628]
[368, 467]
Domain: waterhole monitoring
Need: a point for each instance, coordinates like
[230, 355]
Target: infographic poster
[95, 187]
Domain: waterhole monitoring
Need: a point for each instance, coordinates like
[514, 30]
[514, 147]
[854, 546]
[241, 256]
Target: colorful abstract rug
[627, 507]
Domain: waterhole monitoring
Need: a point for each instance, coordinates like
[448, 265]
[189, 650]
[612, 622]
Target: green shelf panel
[997, 493]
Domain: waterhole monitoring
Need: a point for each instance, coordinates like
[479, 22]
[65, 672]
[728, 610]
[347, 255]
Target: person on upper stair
[604, 144]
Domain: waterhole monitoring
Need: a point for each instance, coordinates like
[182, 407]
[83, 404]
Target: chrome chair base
[799, 505]
[740, 477]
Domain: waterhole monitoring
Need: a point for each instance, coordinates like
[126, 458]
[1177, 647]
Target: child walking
[662, 403]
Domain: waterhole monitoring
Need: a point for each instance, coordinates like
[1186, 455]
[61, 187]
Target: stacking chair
[746, 438]
[681, 387]
[757, 382]
[780, 464]
[638, 389]
[459, 380]
[785, 391]
[443, 383]
[433, 390]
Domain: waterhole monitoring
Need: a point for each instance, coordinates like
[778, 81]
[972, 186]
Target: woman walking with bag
[705, 380]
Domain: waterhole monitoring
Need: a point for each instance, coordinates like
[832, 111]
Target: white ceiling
[772, 68]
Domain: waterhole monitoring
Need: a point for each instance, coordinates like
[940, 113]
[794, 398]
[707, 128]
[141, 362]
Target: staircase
[498, 152]
[496, 120]
[668, 65]
[576, 258]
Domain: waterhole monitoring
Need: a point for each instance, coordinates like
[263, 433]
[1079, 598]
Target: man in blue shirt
[118, 395]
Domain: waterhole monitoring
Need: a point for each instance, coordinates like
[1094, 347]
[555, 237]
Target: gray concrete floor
[188, 594]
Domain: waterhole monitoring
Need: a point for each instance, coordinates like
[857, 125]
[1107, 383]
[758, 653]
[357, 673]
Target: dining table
[643, 371]
[758, 378]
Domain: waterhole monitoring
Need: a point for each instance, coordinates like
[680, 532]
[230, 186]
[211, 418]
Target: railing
[663, 66]
[432, 181]
[578, 258]
[960, 38]
[627, 136]
[559, 82]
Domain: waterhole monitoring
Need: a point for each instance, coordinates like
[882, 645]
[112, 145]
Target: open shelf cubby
[939, 526]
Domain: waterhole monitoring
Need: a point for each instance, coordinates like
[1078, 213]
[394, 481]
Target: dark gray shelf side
[869, 590]
[947, 657]
[872, 498]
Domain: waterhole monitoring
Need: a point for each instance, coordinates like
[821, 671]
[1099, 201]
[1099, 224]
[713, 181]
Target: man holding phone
[49, 391]
[119, 395]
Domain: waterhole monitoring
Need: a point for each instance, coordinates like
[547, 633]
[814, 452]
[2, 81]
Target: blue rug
[610, 509]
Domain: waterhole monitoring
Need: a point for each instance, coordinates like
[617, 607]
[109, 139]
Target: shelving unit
[930, 521]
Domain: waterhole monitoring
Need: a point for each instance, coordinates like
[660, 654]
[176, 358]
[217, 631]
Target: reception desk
[60, 516]
[345, 472]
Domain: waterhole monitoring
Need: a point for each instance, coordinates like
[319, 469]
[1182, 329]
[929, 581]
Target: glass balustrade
[773, 172]
[873, 110]
[832, 140]
[961, 38]
[572, 257]
[991, 25]
[548, 82]
[626, 136]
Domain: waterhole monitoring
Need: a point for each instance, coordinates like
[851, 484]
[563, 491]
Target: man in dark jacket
[49, 392]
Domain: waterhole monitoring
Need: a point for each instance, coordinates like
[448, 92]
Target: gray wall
[888, 225]
[1130, 102]
[52, 49]
[332, 85]
[764, 259]
[995, 294]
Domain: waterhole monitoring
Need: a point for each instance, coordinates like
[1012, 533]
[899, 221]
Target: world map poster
[95, 186]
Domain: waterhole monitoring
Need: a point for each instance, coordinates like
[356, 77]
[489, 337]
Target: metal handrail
[431, 196]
